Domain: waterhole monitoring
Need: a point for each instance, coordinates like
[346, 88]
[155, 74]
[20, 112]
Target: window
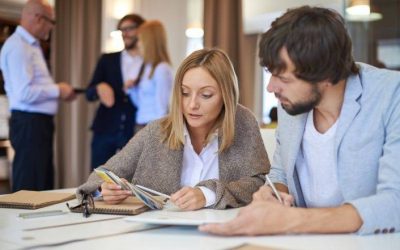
[269, 99]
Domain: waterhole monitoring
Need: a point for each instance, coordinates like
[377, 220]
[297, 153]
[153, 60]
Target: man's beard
[132, 44]
[305, 106]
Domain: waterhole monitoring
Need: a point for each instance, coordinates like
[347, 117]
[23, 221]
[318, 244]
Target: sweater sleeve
[123, 164]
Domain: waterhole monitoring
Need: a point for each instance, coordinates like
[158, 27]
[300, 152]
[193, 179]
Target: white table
[15, 233]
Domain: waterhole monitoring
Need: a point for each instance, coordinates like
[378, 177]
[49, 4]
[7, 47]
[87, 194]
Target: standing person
[338, 136]
[207, 152]
[33, 98]
[151, 94]
[114, 122]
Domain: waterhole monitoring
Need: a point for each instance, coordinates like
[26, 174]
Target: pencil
[273, 189]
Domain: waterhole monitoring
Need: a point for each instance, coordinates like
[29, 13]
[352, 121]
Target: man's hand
[258, 218]
[113, 193]
[265, 193]
[106, 94]
[66, 91]
[188, 198]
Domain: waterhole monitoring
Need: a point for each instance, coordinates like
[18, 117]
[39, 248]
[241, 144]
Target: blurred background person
[113, 124]
[152, 91]
[33, 97]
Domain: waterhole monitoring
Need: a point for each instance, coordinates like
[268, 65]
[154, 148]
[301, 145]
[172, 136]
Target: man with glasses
[114, 122]
[33, 97]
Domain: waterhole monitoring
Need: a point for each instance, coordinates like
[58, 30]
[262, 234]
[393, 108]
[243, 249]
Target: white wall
[172, 13]
[112, 12]
[258, 14]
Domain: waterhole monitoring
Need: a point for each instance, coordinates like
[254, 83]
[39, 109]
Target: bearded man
[113, 125]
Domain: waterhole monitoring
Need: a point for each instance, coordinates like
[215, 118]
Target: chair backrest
[268, 136]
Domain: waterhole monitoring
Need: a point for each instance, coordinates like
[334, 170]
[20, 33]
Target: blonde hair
[218, 65]
[154, 42]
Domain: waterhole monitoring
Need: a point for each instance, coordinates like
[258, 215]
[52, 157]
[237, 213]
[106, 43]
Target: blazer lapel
[350, 109]
[118, 68]
[296, 129]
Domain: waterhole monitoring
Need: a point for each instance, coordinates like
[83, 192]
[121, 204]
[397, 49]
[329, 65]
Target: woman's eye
[185, 94]
[206, 96]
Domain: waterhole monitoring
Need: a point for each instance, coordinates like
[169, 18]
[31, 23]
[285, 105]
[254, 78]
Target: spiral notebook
[130, 206]
[33, 199]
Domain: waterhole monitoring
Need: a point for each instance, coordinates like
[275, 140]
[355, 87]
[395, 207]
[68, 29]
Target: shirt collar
[186, 133]
[126, 54]
[26, 35]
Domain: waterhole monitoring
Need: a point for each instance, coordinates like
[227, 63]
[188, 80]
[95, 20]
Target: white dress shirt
[28, 83]
[200, 167]
[130, 65]
[151, 95]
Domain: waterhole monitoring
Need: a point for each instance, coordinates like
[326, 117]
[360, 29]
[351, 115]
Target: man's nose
[271, 86]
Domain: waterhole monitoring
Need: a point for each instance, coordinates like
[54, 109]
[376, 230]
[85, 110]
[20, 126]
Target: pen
[273, 189]
[41, 214]
[153, 191]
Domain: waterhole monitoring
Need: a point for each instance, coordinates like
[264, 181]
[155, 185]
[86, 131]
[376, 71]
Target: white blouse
[200, 167]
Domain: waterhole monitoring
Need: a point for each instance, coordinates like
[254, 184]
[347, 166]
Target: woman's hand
[113, 193]
[188, 198]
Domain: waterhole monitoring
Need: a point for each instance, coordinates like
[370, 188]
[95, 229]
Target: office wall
[258, 14]
[173, 15]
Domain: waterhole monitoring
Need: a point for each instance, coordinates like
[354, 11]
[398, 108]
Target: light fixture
[194, 32]
[116, 34]
[360, 11]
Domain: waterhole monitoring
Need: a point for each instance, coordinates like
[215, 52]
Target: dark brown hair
[138, 20]
[317, 43]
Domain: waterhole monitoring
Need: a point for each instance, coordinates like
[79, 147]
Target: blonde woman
[207, 152]
[151, 91]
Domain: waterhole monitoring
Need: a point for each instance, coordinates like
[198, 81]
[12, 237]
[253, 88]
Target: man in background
[113, 125]
[33, 97]
[338, 136]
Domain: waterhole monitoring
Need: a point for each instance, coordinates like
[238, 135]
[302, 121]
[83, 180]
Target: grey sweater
[146, 161]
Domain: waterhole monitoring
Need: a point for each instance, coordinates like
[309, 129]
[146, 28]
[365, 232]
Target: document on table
[190, 218]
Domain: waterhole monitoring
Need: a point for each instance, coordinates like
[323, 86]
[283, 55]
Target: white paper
[191, 218]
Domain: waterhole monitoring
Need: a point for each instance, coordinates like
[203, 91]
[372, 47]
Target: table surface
[71, 230]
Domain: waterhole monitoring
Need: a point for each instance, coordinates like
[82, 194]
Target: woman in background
[207, 152]
[151, 91]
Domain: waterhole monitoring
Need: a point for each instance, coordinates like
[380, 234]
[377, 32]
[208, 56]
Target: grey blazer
[367, 148]
[146, 161]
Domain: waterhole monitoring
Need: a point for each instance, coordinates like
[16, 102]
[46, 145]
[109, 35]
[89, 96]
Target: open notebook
[33, 199]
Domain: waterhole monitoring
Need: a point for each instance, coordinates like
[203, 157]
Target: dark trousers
[105, 145]
[31, 135]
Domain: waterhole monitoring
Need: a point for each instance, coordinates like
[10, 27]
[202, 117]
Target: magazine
[151, 198]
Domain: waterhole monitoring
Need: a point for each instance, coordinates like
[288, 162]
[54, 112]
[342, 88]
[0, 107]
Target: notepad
[130, 206]
[33, 199]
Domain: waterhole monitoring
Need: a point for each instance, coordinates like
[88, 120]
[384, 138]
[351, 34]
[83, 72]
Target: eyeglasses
[86, 205]
[128, 28]
[47, 19]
